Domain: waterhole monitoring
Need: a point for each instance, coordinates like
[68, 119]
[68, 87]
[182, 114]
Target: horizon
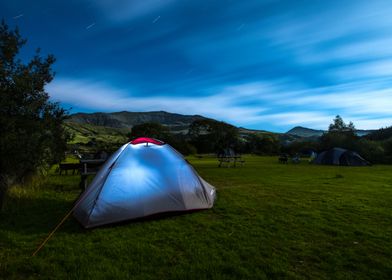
[262, 65]
[191, 115]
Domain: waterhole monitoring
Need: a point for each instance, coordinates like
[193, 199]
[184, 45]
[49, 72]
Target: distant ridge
[175, 122]
[308, 132]
[305, 132]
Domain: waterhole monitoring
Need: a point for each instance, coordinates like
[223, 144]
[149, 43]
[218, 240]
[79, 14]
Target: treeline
[375, 147]
[210, 136]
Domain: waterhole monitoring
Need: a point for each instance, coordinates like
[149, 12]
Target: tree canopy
[31, 132]
[338, 125]
[150, 129]
[212, 136]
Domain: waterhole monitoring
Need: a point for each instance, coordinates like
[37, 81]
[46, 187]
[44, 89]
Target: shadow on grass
[153, 217]
[32, 216]
[39, 216]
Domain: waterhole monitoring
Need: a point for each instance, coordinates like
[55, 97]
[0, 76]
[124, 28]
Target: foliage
[301, 147]
[371, 150]
[158, 131]
[87, 138]
[339, 135]
[261, 144]
[375, 147]
[152, 130]
[31, 132]
[338, 125]
[212, 136]
[380, 134]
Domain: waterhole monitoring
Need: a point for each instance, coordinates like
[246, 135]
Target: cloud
[92, 95]
[313, 119]
[364, 71]
[260, 64]
[124, 10]
[256, 105]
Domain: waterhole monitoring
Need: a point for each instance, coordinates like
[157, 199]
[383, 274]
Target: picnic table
[230, 158]
[64, 167]
[89, 167]
[283, 158]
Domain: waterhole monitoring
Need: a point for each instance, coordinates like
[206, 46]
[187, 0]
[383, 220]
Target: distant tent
[339, 156]
[144, 177]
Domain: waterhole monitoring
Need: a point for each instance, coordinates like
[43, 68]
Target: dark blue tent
[339, 156]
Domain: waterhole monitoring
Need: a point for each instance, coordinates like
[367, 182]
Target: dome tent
[339, 156]
[143, 178]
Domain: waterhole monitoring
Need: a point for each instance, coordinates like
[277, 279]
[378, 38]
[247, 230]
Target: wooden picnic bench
[283, 158]
[230, 160]
[89, 167]
[64, 167]
[229, 157]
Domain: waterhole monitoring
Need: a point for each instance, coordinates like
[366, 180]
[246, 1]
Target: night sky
[258, 64]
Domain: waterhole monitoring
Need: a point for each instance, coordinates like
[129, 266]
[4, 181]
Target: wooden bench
[230, 160]
[283, 159]
[75, 167]
[89, 167]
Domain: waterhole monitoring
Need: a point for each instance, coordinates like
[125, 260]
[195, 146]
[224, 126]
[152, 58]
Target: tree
[262, 144]
[338, 125]
[212, 136]
[150, 129]
[339, 134]
[31, 131]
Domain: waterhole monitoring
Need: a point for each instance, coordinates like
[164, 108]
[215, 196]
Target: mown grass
[269, 221]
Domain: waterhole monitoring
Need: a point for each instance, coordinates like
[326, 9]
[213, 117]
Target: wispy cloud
[263, 64]
[249, 104]
[102, 97]
[125, 10]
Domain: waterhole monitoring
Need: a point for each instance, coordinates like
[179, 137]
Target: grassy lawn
[269, 221]
[83, 133]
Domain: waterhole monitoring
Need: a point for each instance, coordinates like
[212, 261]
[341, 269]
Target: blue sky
[259, 64]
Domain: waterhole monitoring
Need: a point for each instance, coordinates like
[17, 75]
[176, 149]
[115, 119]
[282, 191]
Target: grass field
[84, 133]
[269, 221]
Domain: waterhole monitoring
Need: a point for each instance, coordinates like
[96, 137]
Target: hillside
[304, 132]
[110, 128]
[88, 137]
[177, 123]
[90, 129]
[308, 132]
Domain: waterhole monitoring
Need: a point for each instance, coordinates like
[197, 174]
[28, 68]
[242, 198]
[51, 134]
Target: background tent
[142, 178]
[339, 156]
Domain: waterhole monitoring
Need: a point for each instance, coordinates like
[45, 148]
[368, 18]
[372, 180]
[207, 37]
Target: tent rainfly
[143, 178]
[339, 156]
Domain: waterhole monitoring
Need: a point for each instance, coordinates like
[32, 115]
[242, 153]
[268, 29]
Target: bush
[31, 132]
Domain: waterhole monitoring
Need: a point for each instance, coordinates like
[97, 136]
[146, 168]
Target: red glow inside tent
[142, 140]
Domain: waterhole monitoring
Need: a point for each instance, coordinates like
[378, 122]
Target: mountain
[305, 132]
[363, 132]
[177, 123]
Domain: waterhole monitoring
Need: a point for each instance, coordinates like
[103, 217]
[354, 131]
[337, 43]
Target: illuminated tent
[339, 156]
[144, 177]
